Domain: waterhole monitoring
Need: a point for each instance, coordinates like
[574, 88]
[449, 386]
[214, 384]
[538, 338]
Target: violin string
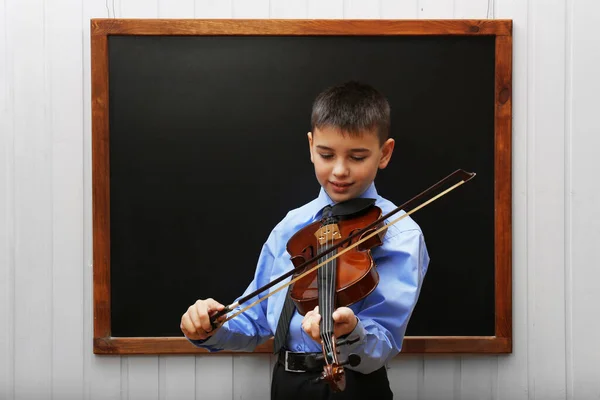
[320, 273]
[348, 248]
[328, 296]
[325, 296]
[324, 306]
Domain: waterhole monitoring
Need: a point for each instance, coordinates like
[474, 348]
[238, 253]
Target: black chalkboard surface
[201, 147]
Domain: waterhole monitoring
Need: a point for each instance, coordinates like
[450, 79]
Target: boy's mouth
[340, 187]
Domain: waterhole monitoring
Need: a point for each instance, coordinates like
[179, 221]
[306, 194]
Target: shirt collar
[324, 199]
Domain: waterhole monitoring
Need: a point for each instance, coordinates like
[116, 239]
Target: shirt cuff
[354, 340]
[210, 343]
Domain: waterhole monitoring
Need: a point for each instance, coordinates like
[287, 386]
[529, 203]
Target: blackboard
[199, 149]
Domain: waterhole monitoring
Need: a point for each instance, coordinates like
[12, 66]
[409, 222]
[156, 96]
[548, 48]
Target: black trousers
[301, 385]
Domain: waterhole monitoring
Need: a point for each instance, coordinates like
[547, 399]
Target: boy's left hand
[344, 322]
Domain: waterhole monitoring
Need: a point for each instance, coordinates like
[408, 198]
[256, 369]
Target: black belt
[301, 362]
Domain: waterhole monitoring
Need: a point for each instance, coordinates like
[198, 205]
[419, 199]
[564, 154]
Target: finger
[203, 317]
[213, 305]
[315, 326]
[221, 319]
[343, 315]
[187, 326]
[194, 313]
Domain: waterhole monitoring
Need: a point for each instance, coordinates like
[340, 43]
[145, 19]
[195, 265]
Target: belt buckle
[285, 364]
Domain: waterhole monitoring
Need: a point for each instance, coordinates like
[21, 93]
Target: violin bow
[460, 176]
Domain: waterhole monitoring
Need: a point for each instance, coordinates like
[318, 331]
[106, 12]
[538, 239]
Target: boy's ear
[310, 139]
[386, 153]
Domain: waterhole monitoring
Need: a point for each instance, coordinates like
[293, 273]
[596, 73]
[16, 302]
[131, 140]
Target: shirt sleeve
[383, 316]
[251, 328]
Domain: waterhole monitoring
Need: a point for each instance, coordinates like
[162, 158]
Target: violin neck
[326, 283]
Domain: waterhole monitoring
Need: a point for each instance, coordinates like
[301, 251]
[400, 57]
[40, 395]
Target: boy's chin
[339, 197]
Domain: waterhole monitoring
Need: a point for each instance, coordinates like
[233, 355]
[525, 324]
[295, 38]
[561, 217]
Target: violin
[333, 266]
[342, 281]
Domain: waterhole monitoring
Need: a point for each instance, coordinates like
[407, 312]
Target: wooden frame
[104, 343]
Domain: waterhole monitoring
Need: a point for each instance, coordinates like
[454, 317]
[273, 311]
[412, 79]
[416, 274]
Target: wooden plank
[142, 378]
[412, 344]
[362, 9]
[33, 290]
[472, 9]
[214, 377]
[503, 184]
[64, 59]
[513, 371]
[441, 378]
[137, 8]
[100, 178]
[546, 201]
[213, 8]
[406, 376]
[393, 9]
[478, 378]
[329, 9]
[176, 8]
[429, 9]
[7, 227]
[582, 196]
[299, 27]
[252, 375]
[288, 9]
[250, 8]
[177, 377]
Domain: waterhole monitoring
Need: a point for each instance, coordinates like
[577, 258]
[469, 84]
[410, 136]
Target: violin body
[356, 275]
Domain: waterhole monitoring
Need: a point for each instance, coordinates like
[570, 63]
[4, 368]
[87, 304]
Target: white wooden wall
[46, 231]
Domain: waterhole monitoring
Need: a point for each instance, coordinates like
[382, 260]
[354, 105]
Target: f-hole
[310, 249]
[350, 234]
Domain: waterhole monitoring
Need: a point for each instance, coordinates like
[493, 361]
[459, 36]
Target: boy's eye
[326, 156]
[358, 158]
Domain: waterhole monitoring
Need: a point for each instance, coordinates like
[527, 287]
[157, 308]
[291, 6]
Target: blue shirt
[401, 261]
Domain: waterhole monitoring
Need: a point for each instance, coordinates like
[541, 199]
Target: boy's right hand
[195, 323]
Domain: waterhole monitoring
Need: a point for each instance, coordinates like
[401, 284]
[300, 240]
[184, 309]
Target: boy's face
[346, 165]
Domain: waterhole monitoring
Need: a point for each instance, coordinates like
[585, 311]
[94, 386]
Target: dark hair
[353, 107]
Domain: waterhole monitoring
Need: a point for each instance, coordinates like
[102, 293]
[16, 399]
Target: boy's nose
[340, 169]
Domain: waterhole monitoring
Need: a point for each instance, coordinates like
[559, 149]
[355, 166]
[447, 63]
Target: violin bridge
[328, 233]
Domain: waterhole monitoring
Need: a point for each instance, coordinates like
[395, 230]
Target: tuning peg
[353, 360]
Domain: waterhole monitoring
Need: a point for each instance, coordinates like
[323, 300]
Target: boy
[348, 144]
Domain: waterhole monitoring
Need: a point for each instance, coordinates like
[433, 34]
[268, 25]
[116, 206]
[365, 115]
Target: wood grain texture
[100, 185]
[503, 182]
[226, 27]
[412, 344]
